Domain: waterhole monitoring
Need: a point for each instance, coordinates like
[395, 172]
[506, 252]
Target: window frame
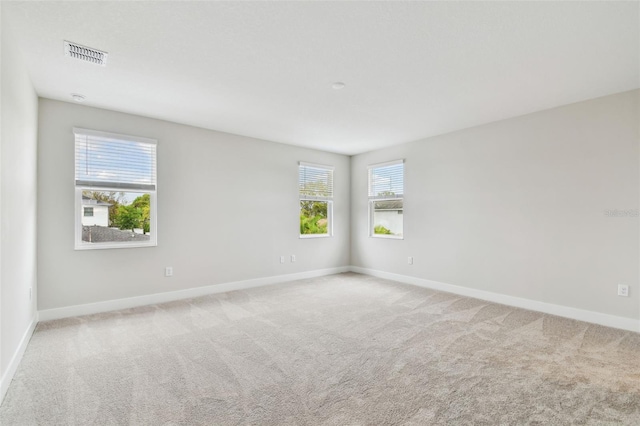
[79, 244]
[375, 198]
[85, 210]
[328, 200]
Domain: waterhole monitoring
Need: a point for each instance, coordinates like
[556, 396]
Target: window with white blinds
[386, 199]
[315, 182]
[315, 186]
[386, 180]
[115, 180]
[105, 160]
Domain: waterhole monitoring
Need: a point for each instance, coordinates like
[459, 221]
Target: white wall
[247, 187]
[18, 142]
[517, 207]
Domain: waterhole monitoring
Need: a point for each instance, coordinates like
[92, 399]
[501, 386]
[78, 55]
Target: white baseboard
[131, 302]
[5, 381]
[151, 299]
[623, 323]
[111, 305]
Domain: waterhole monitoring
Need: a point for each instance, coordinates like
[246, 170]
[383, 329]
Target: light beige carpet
[339, 350]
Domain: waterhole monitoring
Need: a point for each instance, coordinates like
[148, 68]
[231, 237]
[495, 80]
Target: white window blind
[315, 181]
[386, 180]
[107, 160]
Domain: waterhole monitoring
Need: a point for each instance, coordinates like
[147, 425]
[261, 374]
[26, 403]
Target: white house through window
[386, 199]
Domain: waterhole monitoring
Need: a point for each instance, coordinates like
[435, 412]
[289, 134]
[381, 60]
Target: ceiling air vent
[85, 53]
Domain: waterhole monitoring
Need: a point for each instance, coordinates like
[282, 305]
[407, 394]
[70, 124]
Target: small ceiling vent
[85, 53]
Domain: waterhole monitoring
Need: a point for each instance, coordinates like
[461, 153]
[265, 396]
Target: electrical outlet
[410, 260]
[623, 290]
[281, 259]
[168, 271]
[293, 258]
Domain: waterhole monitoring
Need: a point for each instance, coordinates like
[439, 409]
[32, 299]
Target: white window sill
[307, 236]
[387, 237]
[102, 246]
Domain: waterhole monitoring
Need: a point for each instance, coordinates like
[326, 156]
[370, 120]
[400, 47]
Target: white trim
[614, 321]
[386, 197]
[315, 198]
[387, 236]
[12, 367]
[78, 131]
[385, 164]
[315, 165]
[151, 299]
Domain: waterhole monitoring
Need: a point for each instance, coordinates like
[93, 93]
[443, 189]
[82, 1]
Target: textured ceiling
[265, 69]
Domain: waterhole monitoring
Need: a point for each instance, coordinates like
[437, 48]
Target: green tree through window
[315, 185]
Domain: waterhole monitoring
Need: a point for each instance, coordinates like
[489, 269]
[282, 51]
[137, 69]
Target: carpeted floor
[340, 350]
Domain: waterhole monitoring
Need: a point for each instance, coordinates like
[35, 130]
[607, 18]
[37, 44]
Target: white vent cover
[84, 53]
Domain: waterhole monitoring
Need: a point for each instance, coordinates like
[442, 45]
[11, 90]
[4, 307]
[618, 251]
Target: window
[315, 183]
[115, 185]
[386, 207]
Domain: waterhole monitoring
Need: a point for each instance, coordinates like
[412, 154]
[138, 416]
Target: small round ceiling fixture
[77, 97]
[338, 85]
